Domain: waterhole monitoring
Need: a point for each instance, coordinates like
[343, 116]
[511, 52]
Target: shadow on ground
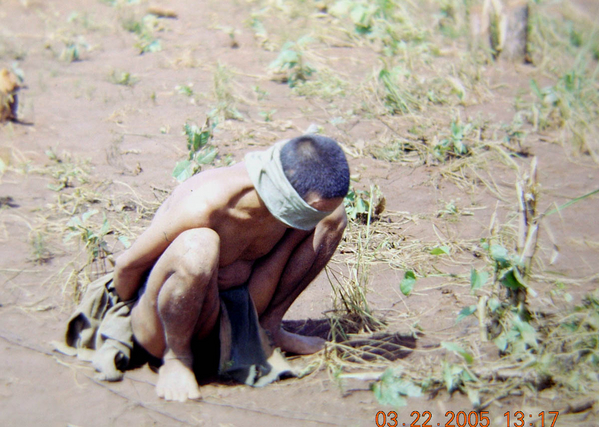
[390, 346]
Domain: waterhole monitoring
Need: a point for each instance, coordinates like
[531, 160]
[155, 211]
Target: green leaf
[392, 390]
[477, 280]
[74, 222]
[440, 250]
[207, 156]
[125, 241]
[499, 254]
[501, 342]
[510, 280]
[105, 227]
[535, 88]
[384, 397]
[494, 304]
[459, 147]
[571, 202]
[407, 284]
[466, 312]
[457, 349]
[87, 215]
[452, 376]
[153, 46]
[527, 332]
[183, 170]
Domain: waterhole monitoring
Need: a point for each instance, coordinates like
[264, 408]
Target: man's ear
[322, 204]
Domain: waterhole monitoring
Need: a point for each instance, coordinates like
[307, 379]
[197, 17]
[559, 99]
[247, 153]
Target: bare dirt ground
[108, 90]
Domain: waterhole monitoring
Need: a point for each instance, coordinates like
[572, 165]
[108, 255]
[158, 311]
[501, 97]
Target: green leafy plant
[393, 388]
[267, 115]
[186, 90]
[39, 247]
[407, 283]
[200, 151]
[73, 49]
[397, 97]
[226, 101]
[291, 64]
[506, 309]
[358, 204]
[92, 238]
[454, 145]
[123, 78]
[145, 30]
[389, 23]
[261, 94]
[65, 171]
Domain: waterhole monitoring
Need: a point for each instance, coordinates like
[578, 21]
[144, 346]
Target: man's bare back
[214, 233]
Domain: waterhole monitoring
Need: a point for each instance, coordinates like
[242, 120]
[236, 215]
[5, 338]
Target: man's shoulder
[215, 189]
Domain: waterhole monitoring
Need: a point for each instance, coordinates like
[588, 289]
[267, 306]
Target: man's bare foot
[176, 381]
[297, 344]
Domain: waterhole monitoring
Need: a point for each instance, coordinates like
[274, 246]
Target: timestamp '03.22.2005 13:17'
[467, 419]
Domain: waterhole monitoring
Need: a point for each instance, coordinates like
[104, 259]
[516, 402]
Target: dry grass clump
[85, 212]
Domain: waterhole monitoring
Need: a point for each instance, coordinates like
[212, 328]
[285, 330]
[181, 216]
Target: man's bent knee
[197, 253]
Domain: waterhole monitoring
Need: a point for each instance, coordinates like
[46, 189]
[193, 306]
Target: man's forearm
[126, 279]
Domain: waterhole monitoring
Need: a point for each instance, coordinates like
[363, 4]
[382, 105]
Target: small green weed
[261, 94]
[145, 30]
[92, 238]
[73, 49]
[325, 85]
[397, 97]
[40, 251]
[453, 20]
[361, 205]
[267, 115]
[291, 66]
[65, 171]
[393, 388]
[454, 145]
[572, 103]
[200, 151]
[186, 90]
[226, 101]
[123, 78]
[390, 23]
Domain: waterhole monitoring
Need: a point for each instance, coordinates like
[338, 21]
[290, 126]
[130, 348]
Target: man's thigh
[190, 258]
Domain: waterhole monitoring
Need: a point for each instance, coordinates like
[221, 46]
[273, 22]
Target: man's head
[300, 181]
[316, 168]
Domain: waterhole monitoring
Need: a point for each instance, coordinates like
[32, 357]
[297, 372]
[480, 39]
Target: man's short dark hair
[314, 163]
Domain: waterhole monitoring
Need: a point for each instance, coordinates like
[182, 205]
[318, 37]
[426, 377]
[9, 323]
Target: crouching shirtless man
[272, 222]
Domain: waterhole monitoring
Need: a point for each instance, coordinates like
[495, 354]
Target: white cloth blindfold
[277, 193]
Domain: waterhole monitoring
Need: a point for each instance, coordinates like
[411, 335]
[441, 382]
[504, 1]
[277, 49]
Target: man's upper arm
[157, 237]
